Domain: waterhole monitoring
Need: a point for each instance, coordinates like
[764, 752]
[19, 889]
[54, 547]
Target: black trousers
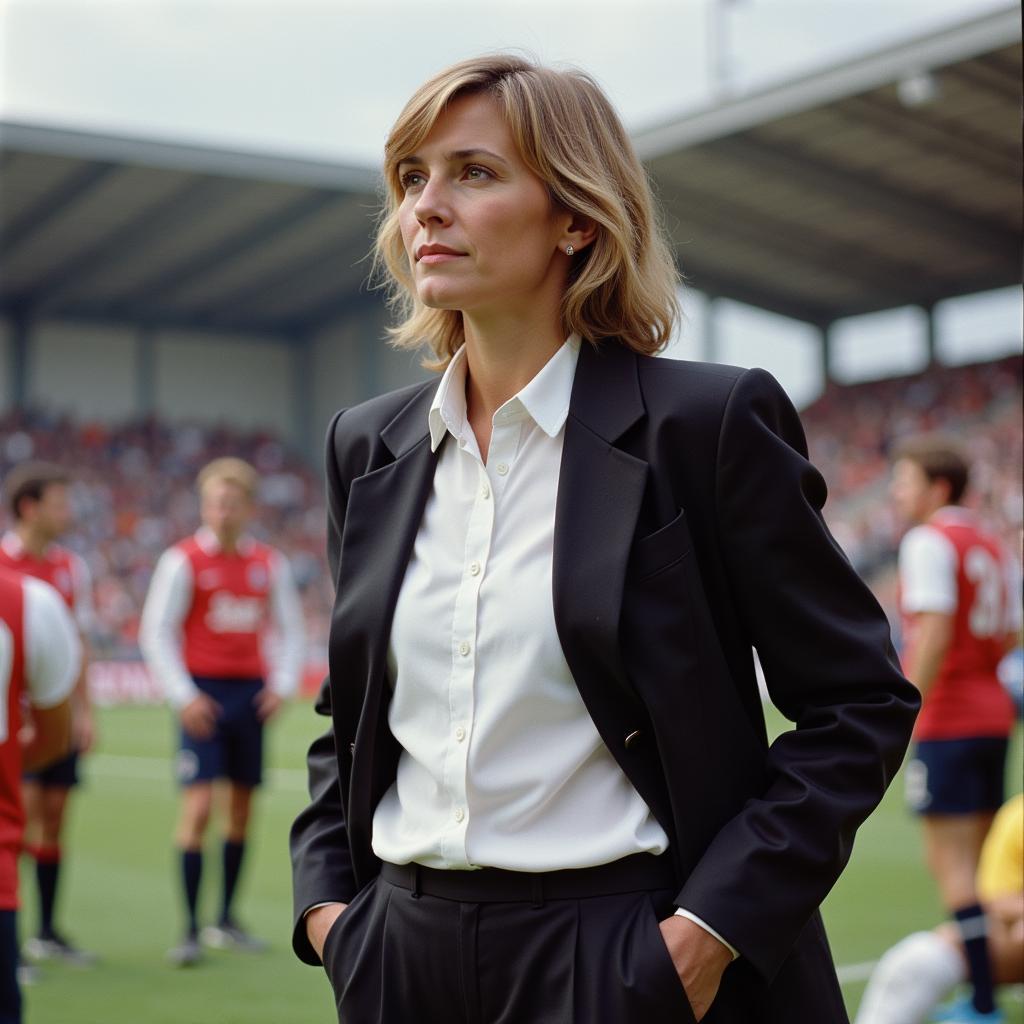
[402, 956]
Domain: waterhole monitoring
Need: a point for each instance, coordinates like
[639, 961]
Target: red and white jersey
[953, 566]
[40, 657]
[223, 615]
[65, 571]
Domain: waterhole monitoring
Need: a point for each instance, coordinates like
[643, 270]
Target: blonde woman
[546, 792]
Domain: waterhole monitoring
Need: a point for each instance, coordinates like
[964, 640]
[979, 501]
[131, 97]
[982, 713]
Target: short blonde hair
[231, 470]
[622, 286]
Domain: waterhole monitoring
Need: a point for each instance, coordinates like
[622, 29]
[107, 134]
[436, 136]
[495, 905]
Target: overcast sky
[327, 79]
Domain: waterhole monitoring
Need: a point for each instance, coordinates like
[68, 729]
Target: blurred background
[187, 193]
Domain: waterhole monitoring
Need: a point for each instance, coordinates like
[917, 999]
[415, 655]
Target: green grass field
[120, 893]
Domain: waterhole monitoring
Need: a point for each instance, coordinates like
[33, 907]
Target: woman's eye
[477, 173]
[411, 179]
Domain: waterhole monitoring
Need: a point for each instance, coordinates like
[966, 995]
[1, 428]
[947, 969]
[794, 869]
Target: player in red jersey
[215, 600]
[39, 663]
[960, 604]
[38, 500]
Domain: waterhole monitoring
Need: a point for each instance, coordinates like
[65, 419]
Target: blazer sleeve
[321, 861]
[830, 667]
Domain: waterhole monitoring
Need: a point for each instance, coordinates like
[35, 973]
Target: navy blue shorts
[62, 774]
[957, 776]
[235, 750]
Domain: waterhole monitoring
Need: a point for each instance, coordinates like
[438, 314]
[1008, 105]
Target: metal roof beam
[252, 291]
[182, 156]
[193, 267]
[869, 268]
[328, 312]
[52, 204]
[188, 202]
[147, 318]
[948, 46]
[904, 207]
[723, 285]
[961, 143]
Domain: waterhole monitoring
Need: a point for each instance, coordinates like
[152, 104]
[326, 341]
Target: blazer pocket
[661, 549]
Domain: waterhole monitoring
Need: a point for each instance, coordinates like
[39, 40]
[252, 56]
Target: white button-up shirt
[501, 764]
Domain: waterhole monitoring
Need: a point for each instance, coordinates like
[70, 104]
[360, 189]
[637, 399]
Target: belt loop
[416, 881]
[537, 890]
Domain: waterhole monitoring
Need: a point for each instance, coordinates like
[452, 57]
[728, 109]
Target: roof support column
[302, 397]
[145, 372]
[825, 332]
[931, 340]
[711, 330]
[21, 331]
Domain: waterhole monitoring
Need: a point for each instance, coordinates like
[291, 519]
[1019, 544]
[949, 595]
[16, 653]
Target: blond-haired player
[222, 632]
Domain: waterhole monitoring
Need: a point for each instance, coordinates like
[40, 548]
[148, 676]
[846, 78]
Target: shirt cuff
[711, 931]
[317, 906]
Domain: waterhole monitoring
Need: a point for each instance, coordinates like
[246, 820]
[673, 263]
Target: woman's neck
[502, 356]
[501, 359]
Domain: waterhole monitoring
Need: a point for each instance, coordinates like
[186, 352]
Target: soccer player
[961, 608]
[39, 663]
[222, 631]
[918, 971]
[38, 501]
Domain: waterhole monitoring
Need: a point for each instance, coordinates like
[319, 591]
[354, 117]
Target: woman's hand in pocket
[319, 922]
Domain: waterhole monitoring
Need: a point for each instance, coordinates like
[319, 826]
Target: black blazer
[687, 531]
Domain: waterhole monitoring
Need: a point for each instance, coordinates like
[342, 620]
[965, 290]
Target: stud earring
[569, 250]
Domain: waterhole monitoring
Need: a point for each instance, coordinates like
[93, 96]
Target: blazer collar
[411, 424]
[606, 396]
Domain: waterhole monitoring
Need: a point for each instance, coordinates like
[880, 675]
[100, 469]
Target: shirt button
[460, 734]
[485, 491]
[459, 814]
[502, 468]
[463, 648]
[474, 568]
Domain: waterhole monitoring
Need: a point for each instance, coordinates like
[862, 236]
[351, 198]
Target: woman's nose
[433, 204]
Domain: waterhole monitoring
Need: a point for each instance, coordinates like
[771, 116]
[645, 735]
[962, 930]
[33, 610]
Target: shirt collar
[11, 543]
[208, 543]
[545, 399]
[15, 548]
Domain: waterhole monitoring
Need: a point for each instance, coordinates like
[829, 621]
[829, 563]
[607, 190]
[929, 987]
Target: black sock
[47, 876]
[233, 853]
[191, 872]
[974, 934]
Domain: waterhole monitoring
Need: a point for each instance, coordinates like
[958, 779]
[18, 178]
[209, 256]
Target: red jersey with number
[57, 566]
[966, 698]
[229, 612]
[12, 682]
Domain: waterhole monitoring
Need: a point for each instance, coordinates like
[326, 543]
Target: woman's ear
[579, 233]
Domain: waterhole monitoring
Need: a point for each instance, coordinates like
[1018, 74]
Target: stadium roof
[890, 180]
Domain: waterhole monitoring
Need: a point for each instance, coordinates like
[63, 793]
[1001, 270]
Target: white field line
[161, 769]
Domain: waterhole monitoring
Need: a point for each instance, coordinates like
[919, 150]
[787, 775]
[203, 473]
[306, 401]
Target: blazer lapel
[383, 514]
[600, 492]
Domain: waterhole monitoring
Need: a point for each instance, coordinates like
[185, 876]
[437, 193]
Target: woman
[547, 794]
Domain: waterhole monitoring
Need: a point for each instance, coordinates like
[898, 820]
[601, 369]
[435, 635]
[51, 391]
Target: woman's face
[480, 230]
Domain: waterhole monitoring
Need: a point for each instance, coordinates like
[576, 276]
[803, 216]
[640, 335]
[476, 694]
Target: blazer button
[632, 738]
[352, 749]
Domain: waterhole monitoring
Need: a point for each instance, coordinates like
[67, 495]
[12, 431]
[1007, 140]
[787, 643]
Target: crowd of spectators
[134, 483]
